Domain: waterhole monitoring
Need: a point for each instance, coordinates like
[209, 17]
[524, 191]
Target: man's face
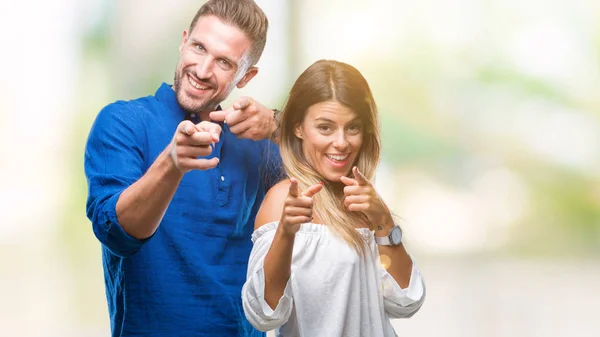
[211, 63]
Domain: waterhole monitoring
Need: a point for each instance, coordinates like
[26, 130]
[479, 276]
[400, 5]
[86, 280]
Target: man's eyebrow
[194, 41]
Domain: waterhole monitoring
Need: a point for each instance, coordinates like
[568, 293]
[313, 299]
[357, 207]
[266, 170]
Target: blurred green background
[490, 114]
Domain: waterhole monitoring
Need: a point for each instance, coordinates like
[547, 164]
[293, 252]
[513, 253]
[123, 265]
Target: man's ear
[184, 39]
[247, 77]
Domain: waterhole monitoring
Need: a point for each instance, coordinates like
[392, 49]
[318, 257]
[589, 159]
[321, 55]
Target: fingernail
[321, 183]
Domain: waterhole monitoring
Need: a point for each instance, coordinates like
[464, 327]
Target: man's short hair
[243, 14]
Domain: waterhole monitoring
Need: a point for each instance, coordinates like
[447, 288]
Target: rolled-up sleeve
[113, 161]
[402, 303]
[256, 309]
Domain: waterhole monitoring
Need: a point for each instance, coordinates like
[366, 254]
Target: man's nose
[204, 68]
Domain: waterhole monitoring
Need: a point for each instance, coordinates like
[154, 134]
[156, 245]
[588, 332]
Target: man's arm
[125, 204]
[142, 206]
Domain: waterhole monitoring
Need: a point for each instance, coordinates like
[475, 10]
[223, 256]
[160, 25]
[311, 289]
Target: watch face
[396, 236]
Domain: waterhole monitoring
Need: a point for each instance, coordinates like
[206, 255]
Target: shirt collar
[166, 94]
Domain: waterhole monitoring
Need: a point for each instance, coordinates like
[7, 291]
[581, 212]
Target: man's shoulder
[129, 114]
[141, 104]
[268, 147]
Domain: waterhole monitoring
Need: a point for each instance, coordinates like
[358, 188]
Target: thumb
[213, 128]
[187, 128]
[241, 104]
[314, 189]
[348, 181]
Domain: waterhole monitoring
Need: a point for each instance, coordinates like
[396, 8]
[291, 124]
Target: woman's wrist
[284, 233]
[382, 225]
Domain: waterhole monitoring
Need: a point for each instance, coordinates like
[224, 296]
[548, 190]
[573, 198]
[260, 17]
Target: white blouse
[332, 291]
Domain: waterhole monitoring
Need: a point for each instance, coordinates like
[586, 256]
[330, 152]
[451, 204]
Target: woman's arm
[405, 293]
[278, 261]
[292, 208]
[267, 296]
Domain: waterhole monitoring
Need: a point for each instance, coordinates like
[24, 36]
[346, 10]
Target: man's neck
[204, 115]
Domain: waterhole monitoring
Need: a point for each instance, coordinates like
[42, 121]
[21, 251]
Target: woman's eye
[355, 128]
[324, 127]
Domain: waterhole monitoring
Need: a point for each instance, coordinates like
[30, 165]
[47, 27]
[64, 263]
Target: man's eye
[199, 47]
[225, 64]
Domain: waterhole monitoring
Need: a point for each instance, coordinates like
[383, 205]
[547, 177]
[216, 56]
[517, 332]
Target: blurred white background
[491, 147]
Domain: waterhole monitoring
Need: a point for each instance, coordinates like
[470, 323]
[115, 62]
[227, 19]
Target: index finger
[219, 115]
[360, 178]
[293, 188]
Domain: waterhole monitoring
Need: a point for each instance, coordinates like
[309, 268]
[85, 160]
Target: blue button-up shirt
[186, 279]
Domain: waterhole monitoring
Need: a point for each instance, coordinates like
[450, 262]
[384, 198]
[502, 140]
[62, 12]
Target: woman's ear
[298, 131]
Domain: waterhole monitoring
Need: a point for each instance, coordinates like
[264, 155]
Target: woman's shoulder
[272, 205]
[279, 189]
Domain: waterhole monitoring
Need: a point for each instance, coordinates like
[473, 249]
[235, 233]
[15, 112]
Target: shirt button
[193, 115]
[222, 178]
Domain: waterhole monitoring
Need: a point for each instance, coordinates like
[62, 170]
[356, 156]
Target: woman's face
[332, 136]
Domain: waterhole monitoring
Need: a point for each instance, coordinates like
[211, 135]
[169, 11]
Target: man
[175, 183]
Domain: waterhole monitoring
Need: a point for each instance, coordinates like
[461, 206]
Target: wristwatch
[393, 238]
[277, 117]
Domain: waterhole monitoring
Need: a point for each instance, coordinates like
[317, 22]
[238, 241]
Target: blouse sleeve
[402, 303]
[256, 309]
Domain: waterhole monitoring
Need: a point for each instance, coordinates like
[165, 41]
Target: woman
[315, 265]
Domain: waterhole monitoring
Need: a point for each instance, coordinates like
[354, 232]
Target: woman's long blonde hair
[323, 81]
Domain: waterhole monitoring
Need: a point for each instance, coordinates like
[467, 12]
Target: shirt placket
[223, 181]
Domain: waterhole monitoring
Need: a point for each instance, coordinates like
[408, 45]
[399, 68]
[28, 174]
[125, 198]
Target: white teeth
[337, 157]
[196, 84]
